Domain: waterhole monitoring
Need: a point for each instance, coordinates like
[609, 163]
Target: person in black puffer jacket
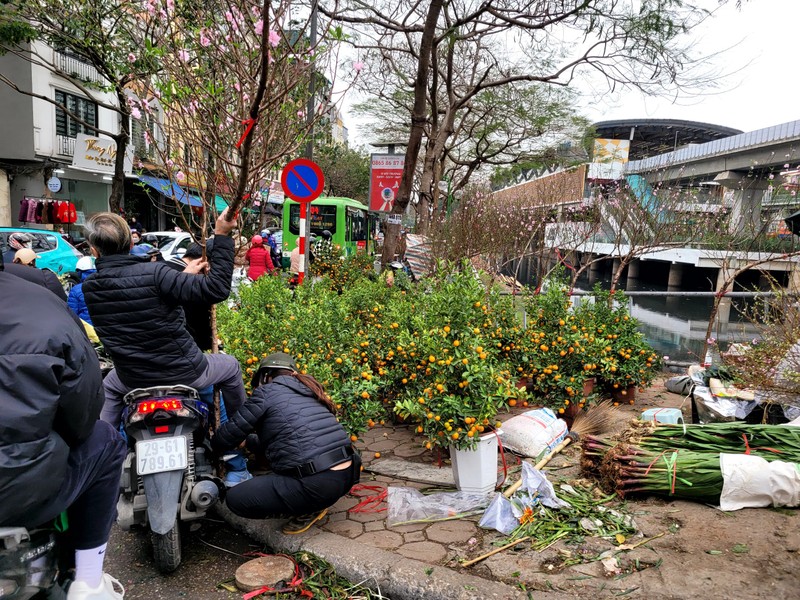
[54, 454]
[313, 462]
[135, 307]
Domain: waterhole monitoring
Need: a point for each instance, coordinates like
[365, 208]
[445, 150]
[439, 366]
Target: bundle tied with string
[683, 461]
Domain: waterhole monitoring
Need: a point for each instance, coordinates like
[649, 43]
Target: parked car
[169, 243]
[54, 252]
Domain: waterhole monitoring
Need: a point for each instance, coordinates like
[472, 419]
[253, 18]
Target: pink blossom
[301, 113]
[170, 4]
[259, 26]
[136, 113]
[274, 38]
[357, 66]
[666, 357]
[205, 41]
[180, 176]
[183, 55]
[147, 137]
[131, 57]
[786, 166]
[170, 162]
[237, 87]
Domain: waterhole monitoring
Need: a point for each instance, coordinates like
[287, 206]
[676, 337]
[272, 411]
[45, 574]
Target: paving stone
[388, 540]
[349, 529]
[345, 503]
[414, 536]
[366, 517]
[408, 451]
[374, 526]
[451, 532]
[428, 552]
[337, 516]
[397, 468]
[410, 527]
[382, 446]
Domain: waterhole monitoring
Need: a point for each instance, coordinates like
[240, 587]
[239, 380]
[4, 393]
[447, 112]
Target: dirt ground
[696, 550]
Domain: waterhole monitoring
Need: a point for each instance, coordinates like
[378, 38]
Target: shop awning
[221, 204]
[170, 190]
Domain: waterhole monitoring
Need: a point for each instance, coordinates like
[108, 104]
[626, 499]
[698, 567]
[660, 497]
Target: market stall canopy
[171, 190]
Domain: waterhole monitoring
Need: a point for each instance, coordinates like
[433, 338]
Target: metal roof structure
[651, 137]
[785, 133]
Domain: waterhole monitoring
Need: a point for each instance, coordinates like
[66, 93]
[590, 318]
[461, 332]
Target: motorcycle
[28, 564]
[167, 477]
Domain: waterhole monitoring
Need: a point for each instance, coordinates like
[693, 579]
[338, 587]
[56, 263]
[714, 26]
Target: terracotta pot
[588, 386]
[627, 394]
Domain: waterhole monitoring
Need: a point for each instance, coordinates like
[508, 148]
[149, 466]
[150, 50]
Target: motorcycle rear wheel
[167, 549]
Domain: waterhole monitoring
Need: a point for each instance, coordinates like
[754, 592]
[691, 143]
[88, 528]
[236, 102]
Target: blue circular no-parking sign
[302, 180]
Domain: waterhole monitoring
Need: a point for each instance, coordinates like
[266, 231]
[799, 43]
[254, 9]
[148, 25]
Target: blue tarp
[170, 190]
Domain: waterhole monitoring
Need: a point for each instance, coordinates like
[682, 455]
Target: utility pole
[311, 109]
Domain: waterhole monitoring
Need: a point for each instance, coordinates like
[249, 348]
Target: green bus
[346, 219]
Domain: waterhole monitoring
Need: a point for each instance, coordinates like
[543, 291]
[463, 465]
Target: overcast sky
[759, 46]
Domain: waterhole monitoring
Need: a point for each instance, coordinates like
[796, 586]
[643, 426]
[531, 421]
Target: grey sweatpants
[221, 369]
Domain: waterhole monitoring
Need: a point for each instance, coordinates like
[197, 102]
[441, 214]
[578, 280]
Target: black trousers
[91, 489]
[275, 495]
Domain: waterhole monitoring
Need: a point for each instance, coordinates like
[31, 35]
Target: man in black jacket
[135, 307]
[54, 453]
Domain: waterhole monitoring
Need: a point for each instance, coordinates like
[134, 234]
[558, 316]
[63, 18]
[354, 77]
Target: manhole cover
[267, 570]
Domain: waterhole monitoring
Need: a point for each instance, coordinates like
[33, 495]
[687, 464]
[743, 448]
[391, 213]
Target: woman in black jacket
[313, 462]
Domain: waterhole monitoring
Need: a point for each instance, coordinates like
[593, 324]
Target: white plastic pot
[476, 470]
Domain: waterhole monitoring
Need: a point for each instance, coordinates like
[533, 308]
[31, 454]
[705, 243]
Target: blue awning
[170, 190]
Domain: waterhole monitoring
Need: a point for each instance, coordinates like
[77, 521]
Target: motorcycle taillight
[150, 406]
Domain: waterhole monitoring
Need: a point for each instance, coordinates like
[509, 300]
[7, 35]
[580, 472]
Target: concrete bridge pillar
[594, 268]
[633, 269]
[746, 195]
[675, 276]
[724, 309]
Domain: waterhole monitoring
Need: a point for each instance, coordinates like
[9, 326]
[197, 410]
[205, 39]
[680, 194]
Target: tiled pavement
[401, 560]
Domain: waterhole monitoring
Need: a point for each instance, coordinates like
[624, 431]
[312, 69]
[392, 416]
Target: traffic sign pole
[301, 242]
[302, 181]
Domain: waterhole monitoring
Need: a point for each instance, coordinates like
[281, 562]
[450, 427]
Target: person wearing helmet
[145, 250]
[258, 260]
[25, 257]
[16, 241]
[313, 462]
[75, 300]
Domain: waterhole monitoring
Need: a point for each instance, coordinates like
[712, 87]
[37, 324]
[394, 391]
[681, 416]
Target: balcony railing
[77, 69]
[65, 146]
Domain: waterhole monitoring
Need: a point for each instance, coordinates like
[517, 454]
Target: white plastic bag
[533, 432]
[752, 482]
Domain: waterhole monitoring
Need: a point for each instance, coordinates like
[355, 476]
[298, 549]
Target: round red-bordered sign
[302, 180]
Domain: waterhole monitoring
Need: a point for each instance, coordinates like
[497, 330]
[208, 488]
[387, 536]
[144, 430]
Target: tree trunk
[115, 200]
[418, 117]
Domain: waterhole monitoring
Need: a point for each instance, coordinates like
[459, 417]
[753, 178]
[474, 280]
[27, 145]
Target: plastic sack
[533, 432]
[714, 409]
[503, 513]
[408, 505]
[682, 384]
[752, 482]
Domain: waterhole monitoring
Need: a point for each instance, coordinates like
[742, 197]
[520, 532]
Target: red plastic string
[249, 124]
[368, 504]
[505, 466]
[746, 445]
[562, 261]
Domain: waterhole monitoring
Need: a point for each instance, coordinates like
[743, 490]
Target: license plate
[161, 454]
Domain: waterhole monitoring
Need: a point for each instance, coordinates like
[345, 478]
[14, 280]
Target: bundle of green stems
[682, 462]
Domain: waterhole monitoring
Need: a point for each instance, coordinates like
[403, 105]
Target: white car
[169, 243]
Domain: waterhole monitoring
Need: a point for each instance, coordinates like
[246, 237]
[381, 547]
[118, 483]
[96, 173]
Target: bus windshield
[320, 218]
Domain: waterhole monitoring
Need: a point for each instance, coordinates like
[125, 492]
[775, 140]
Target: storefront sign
[386, 171]
[94, 154]
[54, 184]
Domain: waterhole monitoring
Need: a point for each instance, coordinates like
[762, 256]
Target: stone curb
[395, 576]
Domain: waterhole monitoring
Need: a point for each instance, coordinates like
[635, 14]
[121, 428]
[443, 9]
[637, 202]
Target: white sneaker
[107, 590]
